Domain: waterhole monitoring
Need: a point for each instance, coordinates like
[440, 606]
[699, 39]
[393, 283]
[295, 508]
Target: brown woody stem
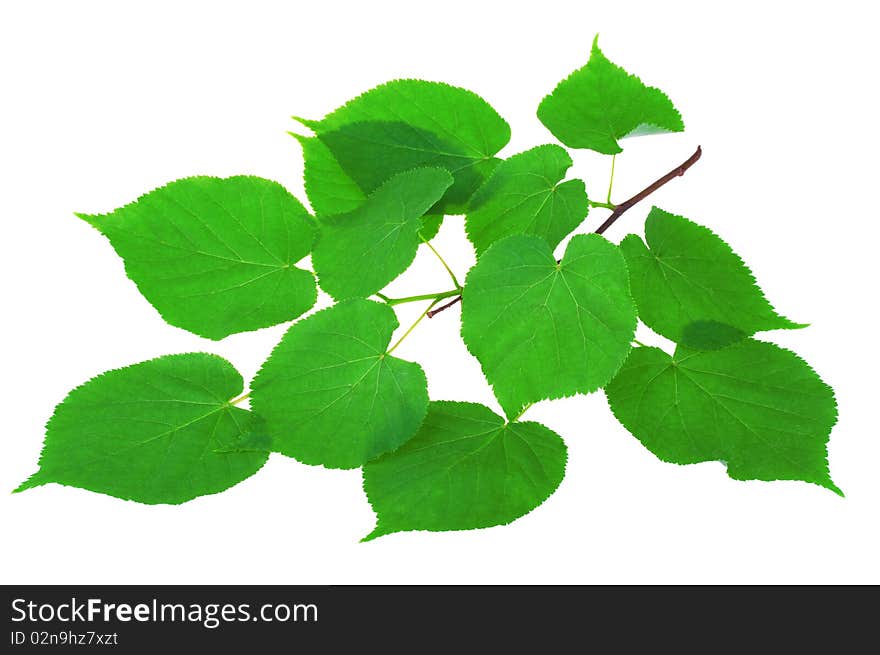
[433, 312]
[678, 171]
[619, 210]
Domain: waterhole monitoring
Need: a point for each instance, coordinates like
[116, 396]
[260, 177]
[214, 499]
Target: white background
[102, 101]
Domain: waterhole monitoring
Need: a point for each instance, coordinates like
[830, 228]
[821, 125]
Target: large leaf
[162, 431]
[755, 406]
[331, 395]
[543, 329]
[408, 123]
[524, 196]
[692, 288]
[465, 469]
[362, 251]
[601, 103]
[216, 256]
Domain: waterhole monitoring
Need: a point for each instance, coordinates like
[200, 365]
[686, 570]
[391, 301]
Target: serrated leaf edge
[34, 480]
[552, 396]
[660, 214]
[316, 125]
[831, 486]
[596, 50]
[476, 200]
[368, 198]
[92, 219]
[380, 531]
[396, 325]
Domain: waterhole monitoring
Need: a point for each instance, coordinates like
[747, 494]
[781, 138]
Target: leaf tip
[33, 481]
[307, 122]
[829, 484]
[379, 531]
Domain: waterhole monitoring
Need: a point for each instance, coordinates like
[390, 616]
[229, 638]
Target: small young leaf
[546, 330]
[601, 103]
[362, 251]
[755, 406]
[690, 287]
[331, 191]
[404, 124]
[524, 196]
[465, 469]
[161, 431]
[216, 256]
[330, 394]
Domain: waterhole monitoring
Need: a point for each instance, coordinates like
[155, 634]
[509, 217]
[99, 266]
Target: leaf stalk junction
[617, 212]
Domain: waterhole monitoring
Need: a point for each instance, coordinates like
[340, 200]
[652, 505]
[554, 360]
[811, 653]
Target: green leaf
[153, 432]
[430, 226]
[216, 256]
[362, 251]
[601, 103]
[453, 113]
[546, 330]
[524, 196]
[690, 287]
[331, 395]
[465, 469]
[405, 124]
[331, 191]
[755, 406]
[372, 152]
